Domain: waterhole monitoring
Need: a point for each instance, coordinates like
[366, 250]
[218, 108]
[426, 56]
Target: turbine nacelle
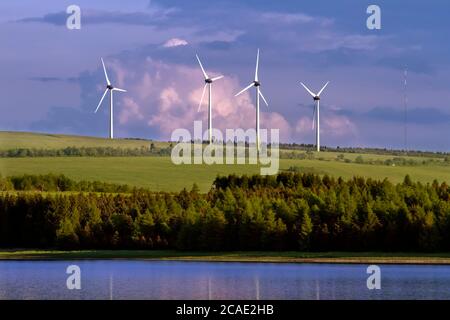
[209, 80]
[316, 96]
[109, 87]
[256, 83]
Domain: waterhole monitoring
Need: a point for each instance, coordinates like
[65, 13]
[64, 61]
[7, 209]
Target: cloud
[217, 45]
[81, 119]
[330, 40]
[357, 42]
[67, 120]
[304, 125]
[53, 79]
[130, 110]
[294, 18]
[424, 116]
[214, 25]
[147, 18]
[339, 126]
[164, 96]
[332, 125]
[175, 42]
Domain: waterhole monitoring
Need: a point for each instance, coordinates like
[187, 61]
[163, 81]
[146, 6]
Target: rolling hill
[159, 173]
[28, 140]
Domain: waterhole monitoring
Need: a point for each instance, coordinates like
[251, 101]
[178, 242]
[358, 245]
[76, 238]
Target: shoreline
[237, 257]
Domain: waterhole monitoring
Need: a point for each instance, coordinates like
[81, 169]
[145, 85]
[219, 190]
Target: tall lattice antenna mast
[405, 106]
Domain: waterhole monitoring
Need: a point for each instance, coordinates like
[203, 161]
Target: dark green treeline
[285, 212]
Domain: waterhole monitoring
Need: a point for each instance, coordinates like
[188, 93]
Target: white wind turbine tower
[208, 83]
[316, 98]
[256, 83]
[111, 89]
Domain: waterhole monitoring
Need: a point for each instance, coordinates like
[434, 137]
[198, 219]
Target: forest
[287, 151]
[361, 150]
[290, 211]
[58, 183]
[152, 150]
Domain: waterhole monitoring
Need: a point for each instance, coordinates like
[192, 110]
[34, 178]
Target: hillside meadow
[29, 140]
[159, 173]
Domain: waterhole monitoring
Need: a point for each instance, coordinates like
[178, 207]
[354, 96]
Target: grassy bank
[253, 256]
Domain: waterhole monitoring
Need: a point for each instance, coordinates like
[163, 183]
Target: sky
[51, 78]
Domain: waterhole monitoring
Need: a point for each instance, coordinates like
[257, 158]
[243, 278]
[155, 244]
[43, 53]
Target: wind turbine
[316, 98]
[111, 89]
[208, 83]
[256, 83]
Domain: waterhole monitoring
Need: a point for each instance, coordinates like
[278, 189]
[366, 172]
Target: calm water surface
[214, 280]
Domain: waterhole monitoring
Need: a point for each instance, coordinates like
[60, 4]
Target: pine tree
[66, 236]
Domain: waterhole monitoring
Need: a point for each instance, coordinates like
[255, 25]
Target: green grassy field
[156, 173]
[332, 155]
[159, 173]
[12, 140]
[239, 256]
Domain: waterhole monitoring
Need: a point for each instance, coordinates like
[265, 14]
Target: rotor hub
[316, 98]
[208, 81]
[110, 87]
[257, 83]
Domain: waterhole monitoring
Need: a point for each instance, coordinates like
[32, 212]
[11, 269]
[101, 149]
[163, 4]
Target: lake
[112, 279]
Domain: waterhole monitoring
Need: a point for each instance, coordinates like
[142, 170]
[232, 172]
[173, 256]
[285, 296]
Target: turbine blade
[306, 88]
[101, 100]
[257, 66]
[217, 78]
[106, 75]
[201, 66]
[120, 90]
[321, 90]
[264, 99]
[245, 89]
[203, 95]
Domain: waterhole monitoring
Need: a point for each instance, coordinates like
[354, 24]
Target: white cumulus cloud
[165, 97]
[175, 42]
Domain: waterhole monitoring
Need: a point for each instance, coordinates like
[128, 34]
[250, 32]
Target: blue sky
[51, 78]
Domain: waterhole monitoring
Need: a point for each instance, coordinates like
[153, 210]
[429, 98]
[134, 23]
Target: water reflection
[210, 280]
